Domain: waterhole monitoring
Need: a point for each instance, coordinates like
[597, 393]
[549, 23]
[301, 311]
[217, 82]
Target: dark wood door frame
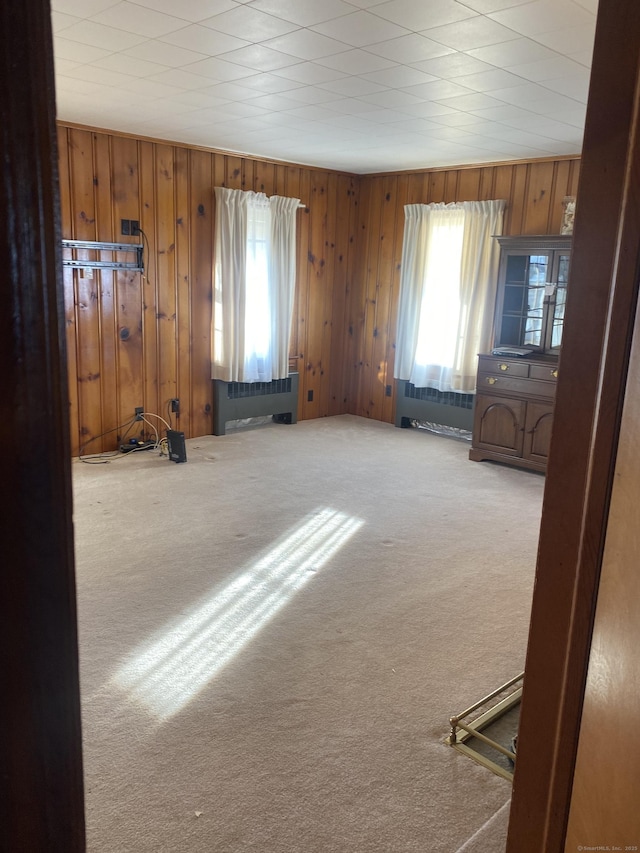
[593, 367]
[41, 784]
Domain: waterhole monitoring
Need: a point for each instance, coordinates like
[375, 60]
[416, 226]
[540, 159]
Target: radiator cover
[426, 404]
[235, 400]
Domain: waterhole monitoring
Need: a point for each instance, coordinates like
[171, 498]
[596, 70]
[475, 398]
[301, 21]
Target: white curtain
[254, 284]
[447, 292]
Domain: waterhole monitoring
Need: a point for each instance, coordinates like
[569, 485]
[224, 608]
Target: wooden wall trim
[593, 368]
[41, 776]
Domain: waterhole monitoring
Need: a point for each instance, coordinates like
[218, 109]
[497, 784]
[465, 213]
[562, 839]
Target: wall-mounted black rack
[85, 263]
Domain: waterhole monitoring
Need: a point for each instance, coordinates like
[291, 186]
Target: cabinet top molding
[535, 241]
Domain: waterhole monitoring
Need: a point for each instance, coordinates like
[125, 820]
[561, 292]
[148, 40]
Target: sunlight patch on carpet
[166, 673]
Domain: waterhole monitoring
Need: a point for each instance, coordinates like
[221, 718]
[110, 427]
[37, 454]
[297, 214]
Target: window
[254, 282]
[447, 289]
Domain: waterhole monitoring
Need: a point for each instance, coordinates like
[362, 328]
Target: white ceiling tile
[193, 10]
[471, 103]
[360, 29]
[522, 94]
[466, 120]
[455, 64]
[394, 99]
[399, 76]
[438, 90]
[418, 15]
[244, 109]
[270, 84]
[589, 5]
[305, 13]
[568, 40]
[311, 95]
[84, 9]
[352, 87]
[204, 40]
[366, 4]
[76, 51]
[60, 21]
[428, 109]
[163, 53]
[582, 57]
[305, 44]
[273, 102]
[487, 81]
[64, 66]
[384, 116]
[95, 74]
[415, 125]
[309, 112]
[548, 69]
[485, 7]
[544, 16]
[546, 127]
[356, 62]
[309, 73]
[259, 57]
[148, 89]
[99, 35]
[515, 52]
[505, 113]
[574, 86]
[180, 78]
[230, 91]
[130, 65]
[476, 32]
[194, 98]
[138, 19]
[248, 23]
[551, 103]
[219, 69]
[410, 49]
[348, 106]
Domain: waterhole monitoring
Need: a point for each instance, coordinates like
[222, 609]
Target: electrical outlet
[309, 396]
[135, 227]
[388, 390]
[139, 410]
[125, 227]
[175, 405]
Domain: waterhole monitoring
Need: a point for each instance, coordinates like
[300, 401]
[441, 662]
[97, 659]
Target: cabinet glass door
[560, 299]
[523, 303]
[538, 270]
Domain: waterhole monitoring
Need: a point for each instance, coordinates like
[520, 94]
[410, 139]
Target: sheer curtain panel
[447, 292]
[254, 283]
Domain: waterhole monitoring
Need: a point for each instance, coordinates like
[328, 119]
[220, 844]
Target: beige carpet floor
[274, 635]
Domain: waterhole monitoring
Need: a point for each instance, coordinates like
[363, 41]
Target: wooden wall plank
[201, 217]
[540, 183]
[166, 307]
[106, 232]
[149, 282]
[86, 285]
[183, 292]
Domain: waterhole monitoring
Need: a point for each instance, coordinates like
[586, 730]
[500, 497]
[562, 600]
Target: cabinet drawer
[548, 372]
[489, 382]
[503, 366]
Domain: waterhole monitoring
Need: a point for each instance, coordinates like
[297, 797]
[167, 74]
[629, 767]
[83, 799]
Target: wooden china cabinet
[516, 383]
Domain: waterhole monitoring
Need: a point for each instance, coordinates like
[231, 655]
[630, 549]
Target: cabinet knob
[491, 380]
[554, 372]
[504, 367]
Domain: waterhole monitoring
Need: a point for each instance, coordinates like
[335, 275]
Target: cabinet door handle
[554, 372]
[504, 367]
[491, 380]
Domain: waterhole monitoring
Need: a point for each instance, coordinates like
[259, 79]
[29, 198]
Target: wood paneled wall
[534, 193]
[135, 340]
[140, 340]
